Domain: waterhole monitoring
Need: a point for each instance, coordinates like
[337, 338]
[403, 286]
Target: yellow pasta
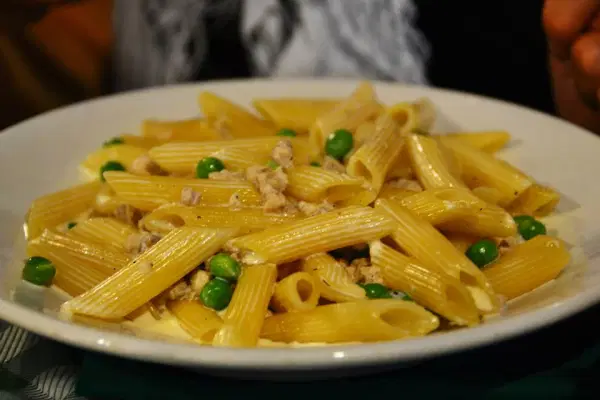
[427, 285]
[123, 153]
[151, 273]
[199, 322]
[106, 201]
[374, 159]
[231, 120]
[405, 115]
[315, 184]
[150, 192]
[486, 221]
[187, 130]
[246, 312]
[361, 106]
[171, 216]
[332, 279]
[296, 240]
[423, 242]
[437, 206]
[528, 266]
[292, 113]
[430, 164]
[538, 200]
[59, 207]
[107, 232]
[461, 241]
[296, 292]
[79, 265]
[482, 169]
[361, 321]
[182, 158]
[145, 142]
[488, 141]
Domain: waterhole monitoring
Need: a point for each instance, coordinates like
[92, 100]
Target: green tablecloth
[558, 362]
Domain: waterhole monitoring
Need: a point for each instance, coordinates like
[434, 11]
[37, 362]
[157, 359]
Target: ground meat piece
[223, 127]
[180, 291]
[145, 266]
[198, 280]
[271, 184]
[408, 184]
[360, 262]
[283, 153]
[312, 209]
[234, 202]
[331, 164]
[138, 243]
[354, 274]
[143, 165]
[128, 214]
[506, 244]
[189, 197]
[226, 175]
[370, 274]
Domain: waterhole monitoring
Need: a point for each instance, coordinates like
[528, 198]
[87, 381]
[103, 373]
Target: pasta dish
[304, 221]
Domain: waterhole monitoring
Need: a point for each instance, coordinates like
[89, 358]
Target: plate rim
[288, 359]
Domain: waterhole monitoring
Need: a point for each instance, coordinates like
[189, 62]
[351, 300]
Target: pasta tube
[321, 233]
[317, 184]
[430, 164]
[360, 321]
[291, 113]
[423, 242]
[151, 273]
[537, 200]
[528, 266]
[332, 279]
[296, 292]
[199, 322]
[187, 130]
[246, 311]
[123, 153]
[53, 209]
[150, 192]
[427, 285]
[107, 232]
[488, 141]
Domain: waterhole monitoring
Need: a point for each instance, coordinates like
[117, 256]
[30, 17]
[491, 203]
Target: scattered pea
[110, 166]
[339, 144]
[39, 271]
[287, 132]
[113, 142]
[377, 291]
[208, 165]
[224, 266]
[272, 164]
[532, 230]
[482, 252]
[523, 220]
[216, 294]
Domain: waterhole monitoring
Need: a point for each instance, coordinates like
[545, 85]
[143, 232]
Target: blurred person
[66, 51]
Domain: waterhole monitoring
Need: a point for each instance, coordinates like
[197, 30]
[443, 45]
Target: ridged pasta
[316, 184]
[332, 279]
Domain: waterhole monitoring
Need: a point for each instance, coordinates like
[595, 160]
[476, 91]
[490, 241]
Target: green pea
[39, 271]
[407, 298]
[532, 230]
[110, 166]
[287, 132]
[377, 291]
[71, 225]
[523, 220]
[224, 266]
[216, 294]
[208, 165]
[272, 164]
[482, 252]
[339, 144]
[113, 142]
[315, 164]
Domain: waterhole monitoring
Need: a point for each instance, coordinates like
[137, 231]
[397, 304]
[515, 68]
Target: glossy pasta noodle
[308, 221]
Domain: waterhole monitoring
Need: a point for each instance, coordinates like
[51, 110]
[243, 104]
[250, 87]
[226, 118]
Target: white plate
[41, 155]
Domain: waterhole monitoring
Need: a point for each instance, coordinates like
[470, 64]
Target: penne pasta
[417, 238]
[107, 232]
[482, 169]
[171, 216]
[181, 158]
[145, 142]
[430, 164]
[151, 273]
[361, 106]
[79, 265]
[296, 292]
[48, 211]
[488, 141]
[427, 285]
[437, 206]
[199, 322]
[106, 201]
[461, 241]
[291, 113]
[316, 184]
[538, 200]
[246, 312]
[362, 321]
[150, 192]
[528, 266]
[187, 130]
[321, 233]
[364, 197]
[373, 160]
[405, 115]
[332, 279]
[123, 154]
[231, 120]
[486, 221]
